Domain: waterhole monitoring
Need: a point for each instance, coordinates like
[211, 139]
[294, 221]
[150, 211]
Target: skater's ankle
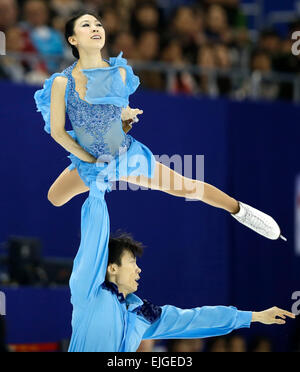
[236, 208]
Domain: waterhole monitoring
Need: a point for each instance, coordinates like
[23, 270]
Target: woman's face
[88, 33]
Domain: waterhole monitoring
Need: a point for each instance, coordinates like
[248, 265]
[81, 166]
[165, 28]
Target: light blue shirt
[104, 321]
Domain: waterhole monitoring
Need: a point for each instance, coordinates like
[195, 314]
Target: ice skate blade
[283, 238]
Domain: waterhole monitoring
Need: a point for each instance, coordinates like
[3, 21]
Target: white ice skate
[259, 222]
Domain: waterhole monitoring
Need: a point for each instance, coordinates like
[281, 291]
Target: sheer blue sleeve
[106, 86]
[90, 263]
[42, 99]
[132, 81]
[200, 322]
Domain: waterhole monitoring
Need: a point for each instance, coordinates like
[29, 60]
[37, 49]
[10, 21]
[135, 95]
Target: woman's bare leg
[167, 180]
[69, 184]
[65, 187]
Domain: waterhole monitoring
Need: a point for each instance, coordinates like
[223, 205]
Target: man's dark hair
[120, 242]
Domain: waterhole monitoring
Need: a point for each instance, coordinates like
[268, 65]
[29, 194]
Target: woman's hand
[129, 116]
[127, 125]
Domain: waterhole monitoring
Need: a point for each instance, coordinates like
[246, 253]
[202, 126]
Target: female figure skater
[95, 92]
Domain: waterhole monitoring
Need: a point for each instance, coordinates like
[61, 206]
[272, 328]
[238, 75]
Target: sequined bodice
[98, 127]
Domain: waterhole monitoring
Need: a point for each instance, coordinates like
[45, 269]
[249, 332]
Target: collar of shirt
[132, 301]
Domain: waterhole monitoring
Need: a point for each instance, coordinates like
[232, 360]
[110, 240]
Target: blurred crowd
[210, 34]
[233, 343]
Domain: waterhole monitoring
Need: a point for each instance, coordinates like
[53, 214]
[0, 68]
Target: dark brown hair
[121, 242]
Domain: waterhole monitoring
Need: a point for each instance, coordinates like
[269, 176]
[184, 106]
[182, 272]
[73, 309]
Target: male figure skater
[107, 316]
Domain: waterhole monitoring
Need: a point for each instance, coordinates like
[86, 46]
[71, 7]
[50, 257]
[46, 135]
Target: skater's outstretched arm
[200, 322]
[209, 321]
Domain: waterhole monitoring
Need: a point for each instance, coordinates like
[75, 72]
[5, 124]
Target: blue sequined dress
[97, 127]
[97, 124]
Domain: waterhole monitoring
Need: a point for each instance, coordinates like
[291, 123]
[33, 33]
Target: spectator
[261, 345]
[17, 41]
[126, 42]
[270, 42]
[146, 346]
[146, 17]
[218, 29]
[223, 62]
[126, 9]
[217, 345]
[66, 8]
[172, 53]
[17, 69]
[91, 5]
[8, 14]
[184, 28]
[261, 61]
[148, 50]
[222, 54]
[199, 15]
[260, 85]
[237, 344]
[148, 46]
[180, 82]
[206, 82]
[46, 40]
[241, 48]
[112, 25]
[184, 22]
[62, 11]
[185, 346]
[187, 32]
[233, 12]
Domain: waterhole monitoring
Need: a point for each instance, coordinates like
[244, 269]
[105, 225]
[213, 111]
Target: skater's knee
[193, 189]
[53, 199]
[199, 190]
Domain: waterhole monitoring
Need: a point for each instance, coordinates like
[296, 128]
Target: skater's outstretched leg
[171, 182]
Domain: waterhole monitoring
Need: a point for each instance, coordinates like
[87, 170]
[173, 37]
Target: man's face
[127, 275]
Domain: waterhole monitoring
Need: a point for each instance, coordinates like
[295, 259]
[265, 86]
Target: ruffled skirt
[137, 160]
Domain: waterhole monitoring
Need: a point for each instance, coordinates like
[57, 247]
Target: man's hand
[270, 316]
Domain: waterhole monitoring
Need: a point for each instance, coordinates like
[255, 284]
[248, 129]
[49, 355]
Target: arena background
[196, 255]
